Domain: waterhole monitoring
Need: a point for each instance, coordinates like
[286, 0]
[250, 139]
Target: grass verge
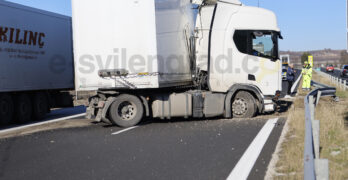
[333, 118]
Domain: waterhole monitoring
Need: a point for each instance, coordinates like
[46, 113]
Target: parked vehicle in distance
[344, 72]
[36, 67]
[285, 58]
[330, 68]
[284, 72]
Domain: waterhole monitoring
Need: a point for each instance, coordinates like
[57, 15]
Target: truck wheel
[244, 105]
[40, 106]
[23, 108]
[126, 111]
[6, 109]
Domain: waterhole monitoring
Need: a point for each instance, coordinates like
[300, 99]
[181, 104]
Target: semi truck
[175, 58]
[36, 62]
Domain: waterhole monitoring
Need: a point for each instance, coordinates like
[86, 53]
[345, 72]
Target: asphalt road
[157, 149]
[180, 149]
[336, 73]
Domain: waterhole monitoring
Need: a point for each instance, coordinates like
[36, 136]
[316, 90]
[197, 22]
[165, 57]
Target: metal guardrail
[314, 167]
[342, 84]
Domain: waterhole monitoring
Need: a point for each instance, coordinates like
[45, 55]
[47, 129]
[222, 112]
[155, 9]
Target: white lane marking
[42, 123]
[124, 130]
[242, 170]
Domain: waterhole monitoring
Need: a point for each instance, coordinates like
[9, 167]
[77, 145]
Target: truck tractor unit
[175, 58]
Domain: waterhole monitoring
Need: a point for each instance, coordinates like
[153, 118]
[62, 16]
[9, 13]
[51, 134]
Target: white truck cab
[225, 64]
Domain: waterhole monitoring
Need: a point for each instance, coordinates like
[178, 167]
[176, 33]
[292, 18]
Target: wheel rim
[239, 107]
[127, 110]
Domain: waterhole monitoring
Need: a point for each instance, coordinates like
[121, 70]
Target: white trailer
[36, 62]
[148, 58]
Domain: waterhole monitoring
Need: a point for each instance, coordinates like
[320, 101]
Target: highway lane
[178, 149]
[336, 73]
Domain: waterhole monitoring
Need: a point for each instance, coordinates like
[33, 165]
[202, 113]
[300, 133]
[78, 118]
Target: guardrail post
[330, 78]
[318, 98]
[316, 138]
[345, 84]
[311, 107]
[340, 82]
[322, 169]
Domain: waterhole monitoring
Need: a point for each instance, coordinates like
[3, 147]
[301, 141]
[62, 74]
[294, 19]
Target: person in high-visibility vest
[307, 76]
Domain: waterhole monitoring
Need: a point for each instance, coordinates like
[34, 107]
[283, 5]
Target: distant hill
[320, 56]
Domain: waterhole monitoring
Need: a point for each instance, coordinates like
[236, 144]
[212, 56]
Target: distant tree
[344, 57]
[304, 57]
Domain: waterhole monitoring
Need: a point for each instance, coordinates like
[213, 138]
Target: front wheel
[126, 111]
[244, 105]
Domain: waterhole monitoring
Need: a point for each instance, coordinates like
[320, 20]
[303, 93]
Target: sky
[305, 24]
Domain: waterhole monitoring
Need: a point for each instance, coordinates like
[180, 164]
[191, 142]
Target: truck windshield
[263, 45]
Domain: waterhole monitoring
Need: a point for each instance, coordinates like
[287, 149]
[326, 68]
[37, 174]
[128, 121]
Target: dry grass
[333, 137]
[334, 132]
[289, 165]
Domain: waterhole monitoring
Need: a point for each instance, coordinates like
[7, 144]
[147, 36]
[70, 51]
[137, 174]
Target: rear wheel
[23, 108]
[244, 105]
[40, 106]
[126, 111]
[6, 109]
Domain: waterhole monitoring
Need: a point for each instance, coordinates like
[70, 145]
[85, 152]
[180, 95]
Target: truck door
[260, 64]
[263, 53]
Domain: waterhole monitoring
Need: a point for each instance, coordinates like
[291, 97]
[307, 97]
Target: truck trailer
[175, 58]
[36, 62]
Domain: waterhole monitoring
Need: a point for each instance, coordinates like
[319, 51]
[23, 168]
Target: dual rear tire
[21, 108]
[6, 109]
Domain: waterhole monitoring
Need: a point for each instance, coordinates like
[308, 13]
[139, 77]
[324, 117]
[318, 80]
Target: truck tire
[126, 111]
[244, 105]
[40, 106]
[23, 108]
[6, 109]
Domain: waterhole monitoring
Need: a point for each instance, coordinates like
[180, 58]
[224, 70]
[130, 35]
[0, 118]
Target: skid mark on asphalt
[245, 164]
[124, 130]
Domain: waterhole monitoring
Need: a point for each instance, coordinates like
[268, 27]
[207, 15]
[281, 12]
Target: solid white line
[242, 170]
[124, 130]
[42, 123]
